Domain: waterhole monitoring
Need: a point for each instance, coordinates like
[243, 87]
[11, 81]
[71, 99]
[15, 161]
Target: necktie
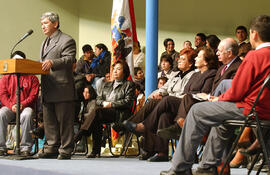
[223, 70]
[47, 42]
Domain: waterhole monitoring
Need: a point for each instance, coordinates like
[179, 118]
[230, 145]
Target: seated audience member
[114, 104]
[234, 104]
[187, 45]
[212, 41]
[139, 77]
[161, 81]
[83, 66]
[138, 56]
[89, 102]
[100, 82]
[200, 41]
[29, 96]
[166, 66]
[100, 64]
[169, 50]
[228, 46]
[140, 97]
[243, 50]
[241, 34]
[174, 87]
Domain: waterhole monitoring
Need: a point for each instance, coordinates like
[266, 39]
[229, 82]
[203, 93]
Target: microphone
[24, 36]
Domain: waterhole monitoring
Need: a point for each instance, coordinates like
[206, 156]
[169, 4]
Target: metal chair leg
[231, 150]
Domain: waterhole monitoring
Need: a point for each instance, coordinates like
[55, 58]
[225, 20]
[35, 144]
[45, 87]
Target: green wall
[18, 16]
[88, 21]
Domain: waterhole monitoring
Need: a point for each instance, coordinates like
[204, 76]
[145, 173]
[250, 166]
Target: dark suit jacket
[58, 85]
[228, 74]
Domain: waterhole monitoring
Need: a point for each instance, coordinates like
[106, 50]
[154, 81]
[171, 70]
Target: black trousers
[102, 116]
[157, 114]
[162, 116]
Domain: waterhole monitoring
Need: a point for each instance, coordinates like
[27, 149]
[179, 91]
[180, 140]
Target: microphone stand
[18, 101]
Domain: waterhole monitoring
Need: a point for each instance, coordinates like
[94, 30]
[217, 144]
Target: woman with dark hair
[100, 63]
[166, 66]
[113, 105]
[169, 50]
[212, 41]
[89, 101]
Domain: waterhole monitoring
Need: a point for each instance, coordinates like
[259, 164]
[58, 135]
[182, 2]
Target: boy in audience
[161, 81]
[139, 77]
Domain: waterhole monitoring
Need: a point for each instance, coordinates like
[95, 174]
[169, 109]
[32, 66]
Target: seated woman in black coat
[113, 105]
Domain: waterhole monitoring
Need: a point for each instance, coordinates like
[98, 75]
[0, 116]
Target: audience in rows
[197, 90]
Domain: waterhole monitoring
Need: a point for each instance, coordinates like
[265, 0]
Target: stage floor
[79, 165]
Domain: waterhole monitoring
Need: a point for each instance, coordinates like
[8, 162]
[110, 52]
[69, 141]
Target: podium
[19, 67]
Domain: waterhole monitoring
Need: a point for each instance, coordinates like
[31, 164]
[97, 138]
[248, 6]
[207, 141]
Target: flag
[123, 32]
[123, 35]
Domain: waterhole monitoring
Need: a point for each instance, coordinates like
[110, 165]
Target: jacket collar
[53, 42]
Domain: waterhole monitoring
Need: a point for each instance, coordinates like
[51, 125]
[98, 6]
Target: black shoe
[93, 154]
[206, 171]
[172, 132]
[171, 172]
[43, 155]
[63, 156]
[3, 153]
[157, 158]
[131, 127]
[146, 156]
[38, 133]
[78, 136]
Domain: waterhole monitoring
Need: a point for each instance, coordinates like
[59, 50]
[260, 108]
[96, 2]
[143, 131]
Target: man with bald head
[234, 104]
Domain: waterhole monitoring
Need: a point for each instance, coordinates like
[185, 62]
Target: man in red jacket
[29, 93]
[234, 104]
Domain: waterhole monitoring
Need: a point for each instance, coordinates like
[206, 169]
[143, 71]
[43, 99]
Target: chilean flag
[123, 35]
[123, 32]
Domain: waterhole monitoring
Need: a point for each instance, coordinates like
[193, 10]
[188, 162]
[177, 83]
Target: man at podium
[58, 53]
[29, 93]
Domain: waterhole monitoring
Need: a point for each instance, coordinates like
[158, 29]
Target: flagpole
[151, 46]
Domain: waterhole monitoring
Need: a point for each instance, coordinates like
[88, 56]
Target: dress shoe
[43, 155]
[78, 136]
[131, 127]
[206, 171]
[157, 158]
[63, 156]
[172, 132]
[146, 156]
[25, 153]
[93, 155]
[171, 172]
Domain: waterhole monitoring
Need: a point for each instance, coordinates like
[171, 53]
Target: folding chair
[252, 121]
[127, 137]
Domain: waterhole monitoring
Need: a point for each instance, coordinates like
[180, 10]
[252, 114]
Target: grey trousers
[6, 115]
[59, 127]
[200, 119]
